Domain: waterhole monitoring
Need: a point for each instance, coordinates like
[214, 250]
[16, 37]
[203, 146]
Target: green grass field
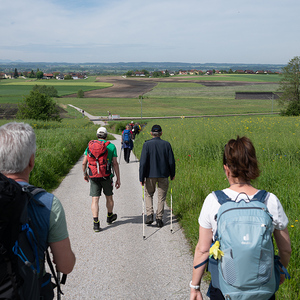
[181, 99]
[198, 146]
[197, 143]
[13, 90]
[236, 77]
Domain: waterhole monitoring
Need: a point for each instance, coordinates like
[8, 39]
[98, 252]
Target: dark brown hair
[240, 157]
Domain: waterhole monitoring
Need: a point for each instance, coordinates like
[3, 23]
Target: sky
[190, 31]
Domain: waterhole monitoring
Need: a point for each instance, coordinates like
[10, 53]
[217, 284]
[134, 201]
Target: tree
[38, 106]
[80, 94]
[31, 75]
[289, 86]
[39, 74]
[68, 77]
[16, 74]
[47, 90]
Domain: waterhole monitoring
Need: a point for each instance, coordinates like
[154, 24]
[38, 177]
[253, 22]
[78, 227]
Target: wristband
[195, 287]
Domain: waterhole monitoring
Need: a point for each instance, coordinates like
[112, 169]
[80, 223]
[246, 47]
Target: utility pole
[141, 101]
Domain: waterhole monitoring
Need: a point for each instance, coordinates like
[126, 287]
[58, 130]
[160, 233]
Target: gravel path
[117, 263]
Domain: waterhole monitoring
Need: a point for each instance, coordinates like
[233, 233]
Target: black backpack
[21, 276]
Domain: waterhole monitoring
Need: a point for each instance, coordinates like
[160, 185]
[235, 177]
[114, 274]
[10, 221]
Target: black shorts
[97, 184]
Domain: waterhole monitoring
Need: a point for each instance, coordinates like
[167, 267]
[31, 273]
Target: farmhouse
[48, 76]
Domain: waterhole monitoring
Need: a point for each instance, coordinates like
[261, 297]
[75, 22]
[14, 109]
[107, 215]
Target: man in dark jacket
[157, 163]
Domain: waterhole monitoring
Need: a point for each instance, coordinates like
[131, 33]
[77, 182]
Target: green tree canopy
[16, 74]
[80, 94]
[47, 90]
[39, 74]
[38, 106]
[31, 75]
[290, 88]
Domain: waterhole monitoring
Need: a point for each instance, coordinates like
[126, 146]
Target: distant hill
[123, 67]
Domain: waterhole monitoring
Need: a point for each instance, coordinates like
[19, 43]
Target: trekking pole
[143, 213]
[171, 212]
[120, 154]
[58, 289]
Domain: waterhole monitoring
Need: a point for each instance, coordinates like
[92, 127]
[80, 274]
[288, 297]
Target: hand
[118, 183]
[142, 183]
[195, 295]
[86, 177]
[282, 279]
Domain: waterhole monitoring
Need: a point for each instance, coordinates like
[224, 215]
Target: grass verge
[198, 146]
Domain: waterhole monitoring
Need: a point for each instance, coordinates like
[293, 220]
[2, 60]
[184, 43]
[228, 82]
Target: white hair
[17, 144]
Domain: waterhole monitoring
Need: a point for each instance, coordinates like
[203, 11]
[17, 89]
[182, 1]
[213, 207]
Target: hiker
[240, 167]
[127, 144]
[157, 163]
[17, 157]
[100, 181]
[136, 129]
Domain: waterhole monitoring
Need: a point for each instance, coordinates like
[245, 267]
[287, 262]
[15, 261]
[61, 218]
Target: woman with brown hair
[240, 167]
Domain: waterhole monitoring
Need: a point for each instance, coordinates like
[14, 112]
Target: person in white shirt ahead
[240, 166]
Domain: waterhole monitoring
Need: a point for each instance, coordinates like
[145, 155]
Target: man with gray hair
[103, 181]
[17, 156]
[157, 163]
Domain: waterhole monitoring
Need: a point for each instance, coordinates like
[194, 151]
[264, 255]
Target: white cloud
[250, 31]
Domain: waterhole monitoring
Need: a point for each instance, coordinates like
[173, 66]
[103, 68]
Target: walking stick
[171, 212]
[120, 154]
[58, 289]
[143, 213]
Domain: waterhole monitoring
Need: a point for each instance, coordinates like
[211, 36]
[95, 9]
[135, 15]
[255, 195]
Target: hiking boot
[97, 226]
[149, 220]
[111, 218]
[159, 223]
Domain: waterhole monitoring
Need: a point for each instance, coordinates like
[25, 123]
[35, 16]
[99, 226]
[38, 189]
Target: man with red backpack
[99, 160]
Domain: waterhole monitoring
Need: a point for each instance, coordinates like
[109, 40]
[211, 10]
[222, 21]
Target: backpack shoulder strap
[221, 196]
[260, 196]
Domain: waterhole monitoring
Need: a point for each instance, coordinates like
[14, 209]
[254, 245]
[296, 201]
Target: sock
[96, 220]
[109, 214]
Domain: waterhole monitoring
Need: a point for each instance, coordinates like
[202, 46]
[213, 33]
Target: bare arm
[84, 165]
[283, 243]
[201, 254]
[63, 256]
[117, 170]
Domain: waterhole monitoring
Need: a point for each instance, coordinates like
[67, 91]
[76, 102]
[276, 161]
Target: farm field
[12, 90]
[198, 146]
[182, 97]
[176, 96]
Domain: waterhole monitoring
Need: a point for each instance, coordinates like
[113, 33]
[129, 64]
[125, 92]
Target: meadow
[184, 98]
[198, 147]
[197, 143]
[181, 98]
[13, 90]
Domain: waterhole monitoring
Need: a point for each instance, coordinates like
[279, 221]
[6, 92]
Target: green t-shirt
[58, 225]
[111, 149]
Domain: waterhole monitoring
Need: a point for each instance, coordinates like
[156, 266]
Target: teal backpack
[248, 269]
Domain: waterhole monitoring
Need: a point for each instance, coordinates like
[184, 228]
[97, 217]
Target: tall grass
[59, 146]
[198, 146]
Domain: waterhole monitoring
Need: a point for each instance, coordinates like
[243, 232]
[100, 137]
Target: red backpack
[97, 158]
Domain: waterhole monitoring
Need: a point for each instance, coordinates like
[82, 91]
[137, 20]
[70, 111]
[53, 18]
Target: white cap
[101, 130]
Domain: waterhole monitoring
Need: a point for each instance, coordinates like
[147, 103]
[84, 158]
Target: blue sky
[192, 31]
